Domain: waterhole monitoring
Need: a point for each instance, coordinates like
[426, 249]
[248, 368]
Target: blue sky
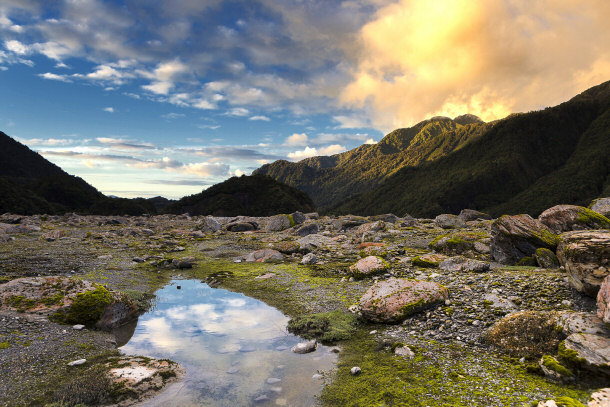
[144, 98]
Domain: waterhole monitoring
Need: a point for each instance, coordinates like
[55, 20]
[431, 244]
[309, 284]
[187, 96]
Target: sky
[147, 98]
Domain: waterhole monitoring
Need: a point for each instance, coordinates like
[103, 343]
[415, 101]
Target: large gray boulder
[449, 221]
[265, 256]
[514, 237]
[565, 218]
[586, 257]
[463, 264]
[368, 265]
[209, 225]
[470, 214]
[601, 206]
[278, 223]
[392, 300]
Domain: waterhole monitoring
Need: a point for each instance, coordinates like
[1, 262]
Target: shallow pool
[235, 349]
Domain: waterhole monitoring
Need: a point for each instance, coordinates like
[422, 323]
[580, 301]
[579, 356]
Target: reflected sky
[232, 346]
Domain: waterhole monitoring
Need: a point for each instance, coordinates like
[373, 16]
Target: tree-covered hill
[255, 195]
[329, 180]
[525, 163]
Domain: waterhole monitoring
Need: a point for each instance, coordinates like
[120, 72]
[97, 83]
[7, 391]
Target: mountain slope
[329, 180]
[255, 195]
[31, 184]
[525, 163]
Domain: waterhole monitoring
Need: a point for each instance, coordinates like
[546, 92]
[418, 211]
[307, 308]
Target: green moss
[548, 238]
[4, 345]
[593, 219]
[20, 303]
[327, 327]
[551, 363]
[167, 374]
[409, 309]
[418, 261]
[569, 356]
[565, 401]
[291, 219]
[53, 300]
[86, 309]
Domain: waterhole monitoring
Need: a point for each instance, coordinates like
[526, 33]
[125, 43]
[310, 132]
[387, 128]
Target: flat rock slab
[582, 322]
[463, 264]
[392, 300]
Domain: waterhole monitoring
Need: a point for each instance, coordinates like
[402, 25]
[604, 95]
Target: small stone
[373, 332]
[273, 380]
[317, 376]
[78, 362]
[78, 327]
[405, 351]
[305, 347]
[261, 398]
[355, 370]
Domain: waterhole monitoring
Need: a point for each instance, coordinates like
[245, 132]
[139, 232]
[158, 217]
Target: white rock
[78, 327]
[305, 347]
[78, 362]
[355, 370]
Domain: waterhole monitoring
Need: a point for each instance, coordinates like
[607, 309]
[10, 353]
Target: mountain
[524, 163]
[330, 180]
[255, 195]
[30, 184]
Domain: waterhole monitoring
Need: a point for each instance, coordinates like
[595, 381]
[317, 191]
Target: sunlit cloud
[108, 109]
[297, 139]
[260, 118]
[423, 58]
[54, 77]
[312, 152]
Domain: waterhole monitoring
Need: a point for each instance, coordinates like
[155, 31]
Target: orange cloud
[421, 58]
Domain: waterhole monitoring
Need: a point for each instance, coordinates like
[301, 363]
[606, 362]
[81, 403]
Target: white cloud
[205, 169]
[17, 47]
[54, 77]
[108, 109]
[313, 152]
[370, 141]
[296, 140]
[261, 118]
[238, 112]
[352, 122]
[160, 88]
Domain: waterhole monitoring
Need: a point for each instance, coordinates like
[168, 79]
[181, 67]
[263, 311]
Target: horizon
[145, 100]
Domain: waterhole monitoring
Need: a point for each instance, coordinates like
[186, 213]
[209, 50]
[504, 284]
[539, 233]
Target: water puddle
[235, 349]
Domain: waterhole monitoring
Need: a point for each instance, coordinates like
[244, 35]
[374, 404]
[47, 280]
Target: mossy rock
[527, 261]
[428, 260]
[551, 363]
[87, 308]
[327, 327]
[546, 258]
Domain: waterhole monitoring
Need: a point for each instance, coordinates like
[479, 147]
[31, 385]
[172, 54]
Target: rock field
[479, 311]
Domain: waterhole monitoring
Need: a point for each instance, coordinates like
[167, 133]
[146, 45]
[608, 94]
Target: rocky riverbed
[426, 301]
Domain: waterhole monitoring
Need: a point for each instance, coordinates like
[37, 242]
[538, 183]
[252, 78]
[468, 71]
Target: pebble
[78, 327]
[78, 362]
[273, 380]
[355, 370]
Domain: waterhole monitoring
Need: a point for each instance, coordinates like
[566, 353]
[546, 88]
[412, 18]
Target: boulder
[315, 241]
[586, 257]
[545, 258]
[565, 218]
[454, 243]
[587, 352]
[407, 221]
[265, 256]
[308, 229]
[392, 300]
[376, 226]
[462, 264]
[601, 206]
[309, 258]
[369, 265]
[209, 225]
[429, 260]
[448, 221]
[298, 217]
[603, 300]
[67, 300]
[348, 222]
[526, 333]
[241, 226]
[287, 246]
[278, 223]
[470, 214]
[514, 237]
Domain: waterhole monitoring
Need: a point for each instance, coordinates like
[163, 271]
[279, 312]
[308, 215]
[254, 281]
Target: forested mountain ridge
[525, 163]
[329, 180]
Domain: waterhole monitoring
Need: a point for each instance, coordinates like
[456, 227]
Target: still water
[235, 349]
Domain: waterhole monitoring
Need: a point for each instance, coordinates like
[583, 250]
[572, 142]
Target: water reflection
[235, 349]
